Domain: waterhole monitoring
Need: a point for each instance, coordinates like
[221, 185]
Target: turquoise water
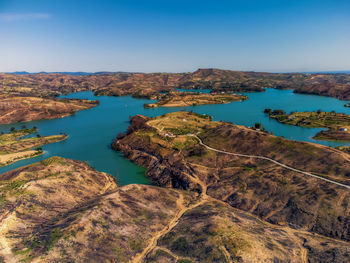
[92, 131]
[195, 90]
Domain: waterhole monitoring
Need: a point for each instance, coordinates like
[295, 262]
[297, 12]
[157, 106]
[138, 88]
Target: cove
[92, 131]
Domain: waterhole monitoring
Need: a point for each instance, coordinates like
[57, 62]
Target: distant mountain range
[78, 73]
[82, 73]
[330, 72]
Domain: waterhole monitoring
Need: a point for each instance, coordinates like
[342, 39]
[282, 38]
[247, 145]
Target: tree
[12, 129]
[258, 125]
[268, 111]
[38, 135]
[39, 149]
[278, 112]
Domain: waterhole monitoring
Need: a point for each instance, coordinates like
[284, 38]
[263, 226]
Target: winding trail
[203, 198]
[174, 221]
[271, 160]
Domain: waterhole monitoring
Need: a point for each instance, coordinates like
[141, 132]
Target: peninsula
[337, 124]
[22, 109]
[184, 99]
[271, 177]
[13, 147]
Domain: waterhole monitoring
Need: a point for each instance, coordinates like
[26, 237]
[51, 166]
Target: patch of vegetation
[318, 119]
[54, 160]
[135, 244]
[184, 261]
[53, 238]
[181, 245]
[14, 188]
[119, 254]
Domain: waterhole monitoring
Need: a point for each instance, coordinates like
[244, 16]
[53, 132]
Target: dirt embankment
[23, 109]
[275, 194]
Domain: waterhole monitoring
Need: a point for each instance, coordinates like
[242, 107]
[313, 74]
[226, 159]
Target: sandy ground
[11, 157]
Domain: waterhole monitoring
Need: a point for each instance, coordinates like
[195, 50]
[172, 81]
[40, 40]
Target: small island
[347, 104]
[184, 99]
[13, 147]
[337, 124]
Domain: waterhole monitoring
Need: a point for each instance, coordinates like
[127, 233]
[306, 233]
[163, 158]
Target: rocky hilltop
[170, 147]
[148, 85]
[61, 210]
[22, 109]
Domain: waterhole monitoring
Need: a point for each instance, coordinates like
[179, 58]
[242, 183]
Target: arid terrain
[220, 193]
[151, 84]
[14, 148]
[22, 109]
[183, 99]
[63, 210]
[337, 124]
[337, 87]
[276, 179]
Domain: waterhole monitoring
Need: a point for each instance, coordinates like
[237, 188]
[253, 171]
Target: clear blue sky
[174, 35]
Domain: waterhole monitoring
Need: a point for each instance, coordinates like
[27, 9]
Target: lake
[92, 131]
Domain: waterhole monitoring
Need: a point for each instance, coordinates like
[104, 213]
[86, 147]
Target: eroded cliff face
[22, 109]
[275, 194]
[62, 210]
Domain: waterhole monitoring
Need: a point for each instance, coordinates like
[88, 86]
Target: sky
[174, 36]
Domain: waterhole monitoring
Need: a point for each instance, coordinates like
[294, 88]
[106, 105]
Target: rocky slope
[323, 88]
[274, 193]
[61, 210]
[22, 109]
[148, 85]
